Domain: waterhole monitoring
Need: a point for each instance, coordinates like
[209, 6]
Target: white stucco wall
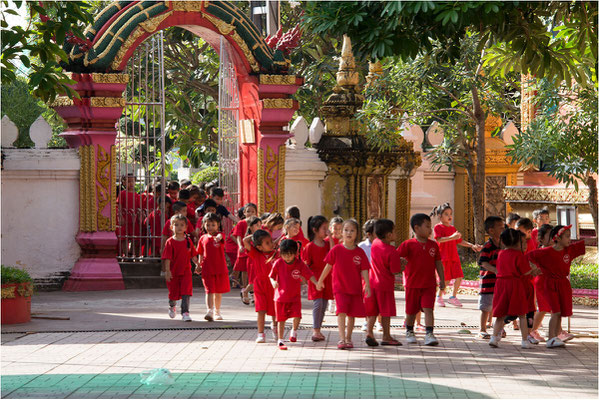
[40, 210]
[431, 188]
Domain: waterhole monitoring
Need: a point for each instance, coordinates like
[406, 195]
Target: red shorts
[216, 283]
[452, 269]
[264, 295]
[418, 299]
[179, 285]
[559, 295]
[288, 309]
[232, 257]
[241, 264]
[380, 302]
[350, 304]
[542, 302]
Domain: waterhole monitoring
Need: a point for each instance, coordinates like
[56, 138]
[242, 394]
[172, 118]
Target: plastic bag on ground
[157, 376]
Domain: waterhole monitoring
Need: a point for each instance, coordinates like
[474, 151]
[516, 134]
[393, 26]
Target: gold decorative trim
[110, 78]
[113, 188]
[277, 79]
[103, 187]
[62, 101]
[221, 25]
[120, 55]
[107, 102]
[246, 51]
[278, 103]
[87, 189]
[546, 195]
[402, 209]
[261, 181]
[271, 174]
[188, 5]
[281, 182]
[151, 24]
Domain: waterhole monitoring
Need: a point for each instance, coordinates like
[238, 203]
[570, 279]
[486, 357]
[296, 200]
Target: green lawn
[582, 276]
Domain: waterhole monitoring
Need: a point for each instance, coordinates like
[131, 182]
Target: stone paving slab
[100, 352]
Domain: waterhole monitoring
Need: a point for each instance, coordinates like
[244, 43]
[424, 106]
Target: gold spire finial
[375, 70]
[347, 76]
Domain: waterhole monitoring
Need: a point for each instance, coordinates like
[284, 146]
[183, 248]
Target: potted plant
[17, 287]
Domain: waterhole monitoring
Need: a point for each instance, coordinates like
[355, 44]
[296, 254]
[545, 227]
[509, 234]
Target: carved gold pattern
[151, 24]
[110, 78]
[271, 174]
[62, 101]
[221, 25]
[375, 70]
[281, 182]
[494, 197]
[188, 5]
[103, 177]
[402, 209]
[246, 51]
[277, 79]
[118, 59]
[498, 157]
[87, 189]
[527, 108]
[261, 181]
[347, 75]
[278, 103]
[107, 102]
[546, 195]
[113, 188]
[491, 123]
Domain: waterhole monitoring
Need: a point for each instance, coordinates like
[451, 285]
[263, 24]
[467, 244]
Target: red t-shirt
[531, 245]
[298, 238]
[213, 255]
[147, 200]
[191, 212]
[231, 245]
[260, 267]
[314, 256]
[240, 229]
[167, 231]
[385, 261]
[347, 267]
[449, 250]
[422, 263]
[335, 240]
[289, 277]
[556, 264]
[534, 235]
[512, 264]
[180, 255]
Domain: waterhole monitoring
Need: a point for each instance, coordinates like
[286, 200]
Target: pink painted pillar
[277, 110]
[91, 124]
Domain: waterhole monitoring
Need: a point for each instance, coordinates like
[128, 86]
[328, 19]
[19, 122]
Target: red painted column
[91, 124]
[277, 110]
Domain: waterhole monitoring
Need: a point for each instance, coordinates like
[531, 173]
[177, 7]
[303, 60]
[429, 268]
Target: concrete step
[146, 268]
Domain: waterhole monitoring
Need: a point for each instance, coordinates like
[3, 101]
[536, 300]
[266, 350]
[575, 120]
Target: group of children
[272, 258]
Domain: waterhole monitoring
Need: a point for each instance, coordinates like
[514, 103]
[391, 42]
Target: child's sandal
[341, 345]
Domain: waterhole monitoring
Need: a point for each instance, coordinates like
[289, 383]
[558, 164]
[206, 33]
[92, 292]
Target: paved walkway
[110, 337]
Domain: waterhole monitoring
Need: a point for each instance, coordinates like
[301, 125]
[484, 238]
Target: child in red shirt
[261, 250]
[176, 256]
[336, 231]
[179, 208]
[215, 275]
[314, 255]
[555, 263]
[349, 263]
[154, 224]
[286, 278]
[540, 217]
[129, 203]
[449, 238]
[526, 226]
[423, 259]
[291, 230]
[510, 297]
[294, 212]
[385, 262]
[240, 231]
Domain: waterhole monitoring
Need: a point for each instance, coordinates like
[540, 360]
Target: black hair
[540, 211]
[209, 203]
[251, 205]
[440, 209]
[314, 224]
[265, 216]
[288, 246]
[293, 212]
[543, 230]
[158, 189]
[258, 237]
[252, 221]
[211, 217]
[184, 194]
[178, 217]
[273, 220]
[240, 213]
[291, 221]
[173, 185]
[179, 205]
[382, 227]
[491, 221]
[194, 190]
[554, 231]
[336, 220]
[167, 200]
[511, 217]
[525, 223]
[368, 226]
[357, 226]
[217, 192]
[419, 219]
[510, 237]
[186, 182]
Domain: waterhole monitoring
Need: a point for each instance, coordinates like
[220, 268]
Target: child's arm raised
[325, 272]
[247, 242]
[439, 266]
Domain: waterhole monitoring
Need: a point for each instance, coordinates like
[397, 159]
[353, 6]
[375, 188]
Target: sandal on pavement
[349, 345]
[341, 345]
[391, 343]
[370, 341]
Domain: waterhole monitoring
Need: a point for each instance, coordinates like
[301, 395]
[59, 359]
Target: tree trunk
[478, 180]
[592, 184]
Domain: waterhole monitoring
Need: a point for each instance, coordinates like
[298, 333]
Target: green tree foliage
[562, 139]
[37, 45]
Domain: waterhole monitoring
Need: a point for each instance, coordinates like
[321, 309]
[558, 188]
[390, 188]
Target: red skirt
[559, 295]
[542, 302]
[530, 293]
[509, 297]
[452, 269]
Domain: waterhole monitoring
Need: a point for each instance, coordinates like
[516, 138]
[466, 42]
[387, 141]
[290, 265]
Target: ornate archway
[266, 108]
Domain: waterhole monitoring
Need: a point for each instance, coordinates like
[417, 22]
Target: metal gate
[141, 155]
[228, 132]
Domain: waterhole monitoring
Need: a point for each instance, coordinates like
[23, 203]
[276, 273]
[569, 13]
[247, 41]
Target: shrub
[14, 275]
[208, 174]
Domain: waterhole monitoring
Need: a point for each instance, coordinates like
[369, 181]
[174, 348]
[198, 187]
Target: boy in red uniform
[177, 256]
[173, 190]
[154, 224]
[540, 217]
[385, 262]
[129, 203]
[261, 251]
[286, 278]
[526, 226]
[215, 275]
[179, 208]
[555, 262]
[423, 258]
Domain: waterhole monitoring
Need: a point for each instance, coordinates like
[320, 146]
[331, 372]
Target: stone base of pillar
[98, 268]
